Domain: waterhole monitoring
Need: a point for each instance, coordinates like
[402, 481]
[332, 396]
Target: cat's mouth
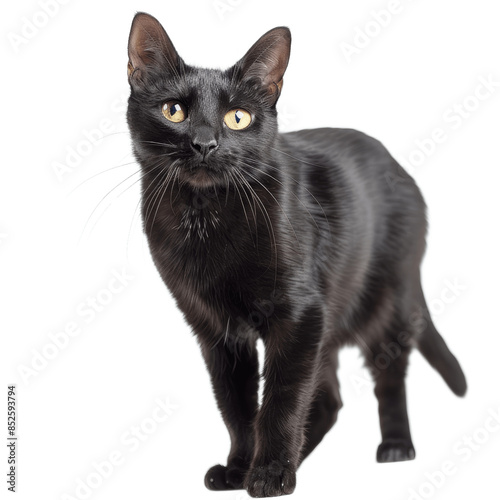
[201, 175]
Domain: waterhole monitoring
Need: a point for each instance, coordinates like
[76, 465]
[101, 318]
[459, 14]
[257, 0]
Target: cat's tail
[436, 352]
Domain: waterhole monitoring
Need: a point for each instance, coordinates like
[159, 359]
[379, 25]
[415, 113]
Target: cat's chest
[204, 246]
[206, 253]
[196, 226]
[201, 246]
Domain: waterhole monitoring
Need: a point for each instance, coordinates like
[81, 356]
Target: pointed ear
[150, 49]
[267, 60]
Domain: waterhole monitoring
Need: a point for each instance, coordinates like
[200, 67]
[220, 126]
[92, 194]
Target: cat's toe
[220, 477]
[395, 450]
[215, 478]
[270, 480]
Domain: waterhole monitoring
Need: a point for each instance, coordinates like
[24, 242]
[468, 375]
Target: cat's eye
[174, 111]
[237, 119]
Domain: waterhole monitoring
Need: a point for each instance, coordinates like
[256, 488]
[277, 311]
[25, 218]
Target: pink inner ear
[277, 87]
[149, 44]
[268, 58]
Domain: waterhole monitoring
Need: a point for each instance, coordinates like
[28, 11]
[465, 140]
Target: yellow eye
[174, 111]
[237, 119]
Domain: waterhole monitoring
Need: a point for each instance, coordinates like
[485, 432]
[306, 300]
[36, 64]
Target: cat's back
[354, 160]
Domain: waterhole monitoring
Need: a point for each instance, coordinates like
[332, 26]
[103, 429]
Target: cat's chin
[201, 178]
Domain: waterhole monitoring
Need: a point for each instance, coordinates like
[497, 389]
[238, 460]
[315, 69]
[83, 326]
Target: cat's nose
[204, 142]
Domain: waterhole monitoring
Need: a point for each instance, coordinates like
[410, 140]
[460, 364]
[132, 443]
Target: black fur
[310, 240]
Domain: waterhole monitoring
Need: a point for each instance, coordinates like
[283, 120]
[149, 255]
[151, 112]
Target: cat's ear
[150, 49]
[267, 60]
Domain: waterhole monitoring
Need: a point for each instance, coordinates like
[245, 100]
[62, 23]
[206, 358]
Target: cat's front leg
[234, 373]
[291, 363]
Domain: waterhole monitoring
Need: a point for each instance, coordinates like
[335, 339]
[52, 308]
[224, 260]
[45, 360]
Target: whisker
[241, 200]
[279, 205]
[301, 186]
[176, 179]
[253, 207]
[277, 180]
[148, 202]
[105, 136]
[156, 143]
[141, 201]
[104, 197]
[226, 178]
[102, 172]
[167, 180]
[268, 221]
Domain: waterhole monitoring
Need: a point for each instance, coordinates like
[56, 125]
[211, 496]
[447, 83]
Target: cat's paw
[271, 480]
[395, 450]
[220, 477]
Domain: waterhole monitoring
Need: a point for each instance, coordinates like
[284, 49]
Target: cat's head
[209, 125]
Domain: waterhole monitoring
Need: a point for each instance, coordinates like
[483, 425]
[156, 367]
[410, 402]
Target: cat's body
[329, 227]
[310, 240]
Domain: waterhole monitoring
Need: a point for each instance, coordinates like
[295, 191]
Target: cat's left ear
[267, 61]
[150, 50]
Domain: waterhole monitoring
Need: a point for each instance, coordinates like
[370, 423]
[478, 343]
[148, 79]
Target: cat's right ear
[150, 50]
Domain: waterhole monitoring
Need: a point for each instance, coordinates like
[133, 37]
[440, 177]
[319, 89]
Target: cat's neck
[199, 214]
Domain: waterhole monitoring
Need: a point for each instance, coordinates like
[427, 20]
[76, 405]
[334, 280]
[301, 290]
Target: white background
[56, 251]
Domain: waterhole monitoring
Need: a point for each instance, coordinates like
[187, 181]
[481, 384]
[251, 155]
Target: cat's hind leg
[389, 374]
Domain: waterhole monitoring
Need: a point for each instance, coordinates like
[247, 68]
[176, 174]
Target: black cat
[310, 240]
